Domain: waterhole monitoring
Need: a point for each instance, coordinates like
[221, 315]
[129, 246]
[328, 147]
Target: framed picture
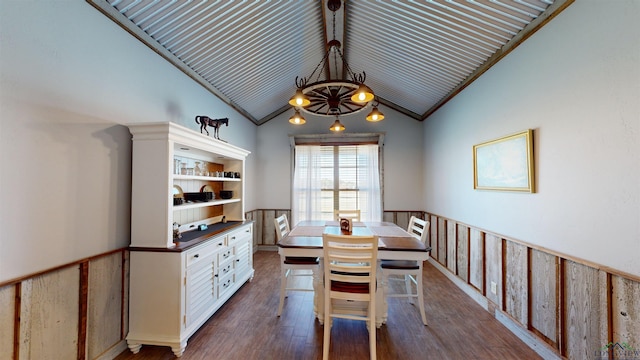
[505, 164]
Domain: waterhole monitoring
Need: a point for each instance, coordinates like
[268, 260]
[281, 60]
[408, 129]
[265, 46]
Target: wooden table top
[308, 235]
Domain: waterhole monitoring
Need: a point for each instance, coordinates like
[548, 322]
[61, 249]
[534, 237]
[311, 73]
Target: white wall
[69, 78]
[576, 82]
[402, 156]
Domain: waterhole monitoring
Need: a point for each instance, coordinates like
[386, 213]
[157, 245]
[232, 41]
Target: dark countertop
[195, 237]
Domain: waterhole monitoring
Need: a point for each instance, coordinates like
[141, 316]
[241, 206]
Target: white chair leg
[283, 287]
[372, 331]
[327, 332]
[421, 297]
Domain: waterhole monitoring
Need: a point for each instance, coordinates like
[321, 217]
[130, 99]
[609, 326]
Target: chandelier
[334, 97]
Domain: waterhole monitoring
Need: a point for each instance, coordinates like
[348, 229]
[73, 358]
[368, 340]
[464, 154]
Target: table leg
[381, 299]
[318, 293]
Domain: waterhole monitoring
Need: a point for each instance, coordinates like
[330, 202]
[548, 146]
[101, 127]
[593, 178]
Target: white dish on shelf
[177, 191]
[206, 188]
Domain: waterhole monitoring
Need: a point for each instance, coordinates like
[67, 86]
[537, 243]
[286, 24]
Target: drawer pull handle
[196, 256]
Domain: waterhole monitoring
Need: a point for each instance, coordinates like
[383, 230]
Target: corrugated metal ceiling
[416, 54]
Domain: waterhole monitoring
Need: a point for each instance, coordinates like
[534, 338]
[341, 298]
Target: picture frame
[505, 164]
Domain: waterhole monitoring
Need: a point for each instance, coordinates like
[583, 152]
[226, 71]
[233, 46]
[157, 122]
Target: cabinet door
[243, 258]
[242, 242]
[200, 289]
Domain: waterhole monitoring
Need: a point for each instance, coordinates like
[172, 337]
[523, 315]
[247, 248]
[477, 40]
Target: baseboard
[114, 351]
[543, 349]
[534, 342]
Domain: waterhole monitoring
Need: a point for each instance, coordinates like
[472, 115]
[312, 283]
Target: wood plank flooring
[247, 327]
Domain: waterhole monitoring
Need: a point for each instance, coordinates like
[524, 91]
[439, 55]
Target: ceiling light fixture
[297, 119]
[333, 97]
[337, 126]
[375, 114]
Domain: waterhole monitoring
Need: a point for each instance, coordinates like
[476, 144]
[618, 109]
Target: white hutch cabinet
[176, 284]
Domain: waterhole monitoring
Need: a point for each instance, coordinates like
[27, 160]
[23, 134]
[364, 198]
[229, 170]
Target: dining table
[394, 243]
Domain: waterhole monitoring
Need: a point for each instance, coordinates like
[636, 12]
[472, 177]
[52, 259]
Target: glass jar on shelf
[196, 169]
[176, 166]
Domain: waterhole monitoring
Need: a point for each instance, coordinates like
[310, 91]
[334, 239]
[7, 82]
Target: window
[333, 177]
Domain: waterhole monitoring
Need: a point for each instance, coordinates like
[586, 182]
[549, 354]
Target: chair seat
[298, 260]
[400, 264]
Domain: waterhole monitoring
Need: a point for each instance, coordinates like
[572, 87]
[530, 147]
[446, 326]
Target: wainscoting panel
[626, 310]
[75, 311]
[7, 316]
[451, 246]
[585, 310]
[544, 295]
[516, 284]
[104, 302]
[462, 252]
[268, 227]
[433, 236]
[562, 306]
[493, 263]
[476, 259]
[442, 241]
[49, 315]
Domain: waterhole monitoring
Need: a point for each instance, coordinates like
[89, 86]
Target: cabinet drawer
[225, 269]
[193, 256]
[244, 233]
[225, 255]
[225, 284]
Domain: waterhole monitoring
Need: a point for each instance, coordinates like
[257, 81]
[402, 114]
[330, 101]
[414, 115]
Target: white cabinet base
[173, 293]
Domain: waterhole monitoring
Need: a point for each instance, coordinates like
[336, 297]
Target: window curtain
[369, 184]
[307, 184]
[307, 197]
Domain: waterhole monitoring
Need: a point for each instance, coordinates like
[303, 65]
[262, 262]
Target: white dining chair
[409, 271]
[290, 266]
[350, 264]
[354, 215]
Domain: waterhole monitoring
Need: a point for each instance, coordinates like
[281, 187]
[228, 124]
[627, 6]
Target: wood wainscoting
[561, 305]
[74, 311]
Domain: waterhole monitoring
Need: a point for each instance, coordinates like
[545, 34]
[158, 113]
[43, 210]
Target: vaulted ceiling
[416, 54]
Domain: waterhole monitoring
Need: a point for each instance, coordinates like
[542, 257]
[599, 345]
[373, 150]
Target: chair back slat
[418, 228]
[282, 226]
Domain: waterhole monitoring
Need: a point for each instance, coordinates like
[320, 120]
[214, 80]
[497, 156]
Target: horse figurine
[205, 121]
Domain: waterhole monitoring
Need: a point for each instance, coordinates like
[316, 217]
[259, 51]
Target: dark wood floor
[247, 327]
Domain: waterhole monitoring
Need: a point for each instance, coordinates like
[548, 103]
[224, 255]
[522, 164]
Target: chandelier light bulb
[337, 126]
[297, 119]
[299, 99]
[375, 115]
[363, 94]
